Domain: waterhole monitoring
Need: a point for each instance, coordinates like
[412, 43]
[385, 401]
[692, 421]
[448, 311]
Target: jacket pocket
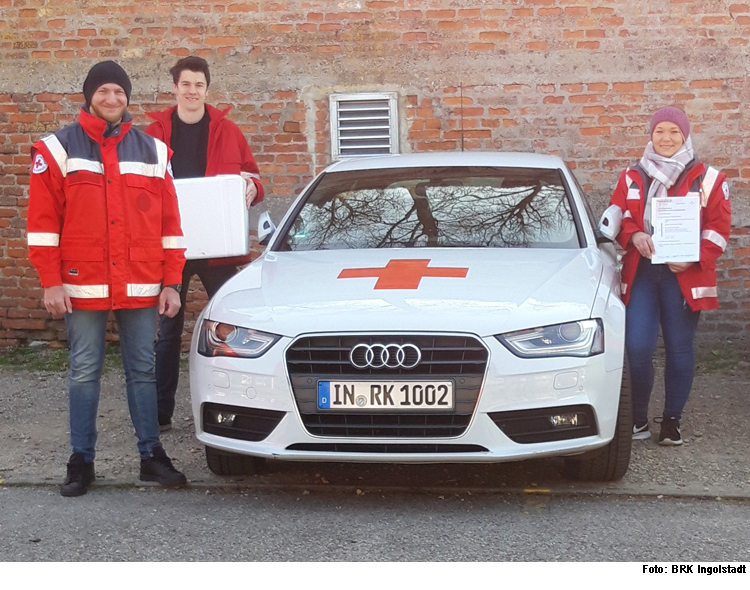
[146, 254]
[141, 182]
[83, 177]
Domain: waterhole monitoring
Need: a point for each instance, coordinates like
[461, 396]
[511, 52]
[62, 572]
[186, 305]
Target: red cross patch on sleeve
[39, 164]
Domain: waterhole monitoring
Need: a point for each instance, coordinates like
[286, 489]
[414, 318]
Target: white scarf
[664, 172]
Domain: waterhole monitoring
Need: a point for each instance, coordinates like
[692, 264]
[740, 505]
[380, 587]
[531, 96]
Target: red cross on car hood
[403, 274]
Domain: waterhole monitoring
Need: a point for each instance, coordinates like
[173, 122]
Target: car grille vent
[461, 359]
[441, 355]
[404, 449]
[387, 425]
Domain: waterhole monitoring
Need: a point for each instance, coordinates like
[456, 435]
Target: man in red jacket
[205, 143]
[104, 234]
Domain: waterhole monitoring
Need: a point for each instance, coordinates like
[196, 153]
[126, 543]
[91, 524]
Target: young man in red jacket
[104, 234]
[205, 143]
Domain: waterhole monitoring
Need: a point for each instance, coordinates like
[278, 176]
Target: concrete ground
[713, 462]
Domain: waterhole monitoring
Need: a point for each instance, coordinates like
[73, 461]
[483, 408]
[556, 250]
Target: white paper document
[677, 225]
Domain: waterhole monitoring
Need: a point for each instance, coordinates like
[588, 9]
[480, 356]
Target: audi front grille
[462, 359]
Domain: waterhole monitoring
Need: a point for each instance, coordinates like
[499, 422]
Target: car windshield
[481, 207]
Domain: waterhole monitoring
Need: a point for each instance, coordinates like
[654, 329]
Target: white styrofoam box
[215, 220]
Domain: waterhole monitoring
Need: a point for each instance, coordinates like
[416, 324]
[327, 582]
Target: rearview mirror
[266, 228]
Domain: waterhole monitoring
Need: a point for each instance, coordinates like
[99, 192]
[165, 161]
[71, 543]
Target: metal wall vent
[363, 124]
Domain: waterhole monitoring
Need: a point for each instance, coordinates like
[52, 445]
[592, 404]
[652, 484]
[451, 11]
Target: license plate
[385, 395]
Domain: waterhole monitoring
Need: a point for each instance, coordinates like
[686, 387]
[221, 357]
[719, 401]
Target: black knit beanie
[105, 72]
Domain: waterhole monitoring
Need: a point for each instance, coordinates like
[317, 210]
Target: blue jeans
[169, 339]
[86, 336]
[656, 300]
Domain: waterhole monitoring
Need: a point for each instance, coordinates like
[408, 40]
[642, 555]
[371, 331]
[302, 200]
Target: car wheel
[610, 462]
[224, 463]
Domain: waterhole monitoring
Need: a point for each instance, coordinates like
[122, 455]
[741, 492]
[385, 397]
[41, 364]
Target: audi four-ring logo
[388, 356]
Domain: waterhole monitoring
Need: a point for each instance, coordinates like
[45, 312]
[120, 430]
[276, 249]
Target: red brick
[440, 14]
[706, 84]
[611, 120]
[585, 98]
[598, 87]
[450, 25]
[222, 40]
[576, 11]
[481, 46]
[494, 35]
[431, 146]
[627, 86]
[382, 5]
[716, 20]
[457, 100]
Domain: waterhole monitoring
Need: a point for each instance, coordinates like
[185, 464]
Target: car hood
[486, 291]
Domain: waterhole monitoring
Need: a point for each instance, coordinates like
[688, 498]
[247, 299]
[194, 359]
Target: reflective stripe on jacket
[103, 218]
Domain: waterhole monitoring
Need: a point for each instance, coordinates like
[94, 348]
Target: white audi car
[441, 307]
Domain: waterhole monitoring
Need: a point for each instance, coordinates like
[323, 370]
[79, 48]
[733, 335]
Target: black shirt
[190, 144]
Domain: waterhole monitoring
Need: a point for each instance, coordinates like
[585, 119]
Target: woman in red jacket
[671, 294]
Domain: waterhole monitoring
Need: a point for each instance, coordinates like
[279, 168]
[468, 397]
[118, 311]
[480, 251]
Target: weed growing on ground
[731, 361]
[53, 360]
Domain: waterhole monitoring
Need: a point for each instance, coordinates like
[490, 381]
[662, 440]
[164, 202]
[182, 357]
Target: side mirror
[266, 228]
[611, 222]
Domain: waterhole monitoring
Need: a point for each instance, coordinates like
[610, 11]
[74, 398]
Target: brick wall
[572, 77]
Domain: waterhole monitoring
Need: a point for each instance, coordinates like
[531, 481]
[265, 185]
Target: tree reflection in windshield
[436, 207]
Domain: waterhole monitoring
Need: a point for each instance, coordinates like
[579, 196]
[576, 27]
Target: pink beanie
[673, 115]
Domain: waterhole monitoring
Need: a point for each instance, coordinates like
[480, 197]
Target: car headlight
[218, 339]
[584, 338]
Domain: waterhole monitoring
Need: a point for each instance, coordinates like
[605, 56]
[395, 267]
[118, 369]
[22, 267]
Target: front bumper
[510, 387]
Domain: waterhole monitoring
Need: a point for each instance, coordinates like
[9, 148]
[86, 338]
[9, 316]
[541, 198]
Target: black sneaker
[165, 423]
[640, 431]
[159, 468]
[670, 431]
[80, 476]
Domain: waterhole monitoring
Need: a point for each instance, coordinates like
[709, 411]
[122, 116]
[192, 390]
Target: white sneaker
[640, 431]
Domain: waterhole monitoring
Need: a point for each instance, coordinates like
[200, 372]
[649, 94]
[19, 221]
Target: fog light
[562, 420]
[224, 418]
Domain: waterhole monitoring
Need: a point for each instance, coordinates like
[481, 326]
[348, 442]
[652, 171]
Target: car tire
[225, 463]
[610, 462]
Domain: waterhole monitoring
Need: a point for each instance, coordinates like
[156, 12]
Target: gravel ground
[714, 460]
